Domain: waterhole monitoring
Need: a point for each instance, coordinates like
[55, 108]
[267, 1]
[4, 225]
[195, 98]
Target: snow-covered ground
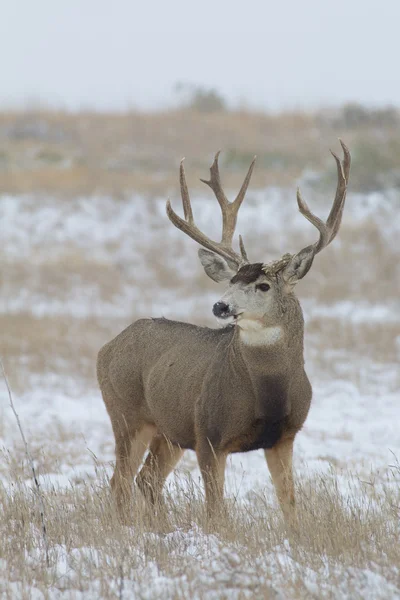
[98, 263]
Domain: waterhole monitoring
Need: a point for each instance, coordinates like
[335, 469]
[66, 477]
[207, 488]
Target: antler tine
[316, 221]
[328, 230]
[188, 226]
[187, 207]
[229, 209]
[242, 249]
[228, 218]
[242, 192]
[215, 182]
[198, 236]
[346, 160]
[343, 170]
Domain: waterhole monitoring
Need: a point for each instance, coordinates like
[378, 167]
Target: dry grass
[58, 344]
[344, 537]
[45, 447]
[66, 155]
[246, 554]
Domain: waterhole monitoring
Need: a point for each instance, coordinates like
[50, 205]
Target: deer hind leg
[279, 460]
[130, 447]
[161, 460]
[212, 465]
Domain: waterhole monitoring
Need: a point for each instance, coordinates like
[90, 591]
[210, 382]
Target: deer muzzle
[222, 310]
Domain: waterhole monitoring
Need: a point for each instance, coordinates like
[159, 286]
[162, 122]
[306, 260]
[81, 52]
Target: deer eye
[264, 287]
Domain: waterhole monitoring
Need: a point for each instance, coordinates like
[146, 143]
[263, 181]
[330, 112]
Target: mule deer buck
[175, 386]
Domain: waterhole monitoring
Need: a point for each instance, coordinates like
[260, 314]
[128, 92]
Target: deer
[171, 386]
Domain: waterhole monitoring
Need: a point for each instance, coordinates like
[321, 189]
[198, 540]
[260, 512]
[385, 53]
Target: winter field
[73, 274]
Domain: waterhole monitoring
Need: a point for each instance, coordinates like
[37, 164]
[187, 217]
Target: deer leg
[279, 460]
[161, 460]
[130, 447]
[212, 465]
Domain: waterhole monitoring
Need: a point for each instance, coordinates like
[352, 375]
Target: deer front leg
[279, 460]
[212, 465]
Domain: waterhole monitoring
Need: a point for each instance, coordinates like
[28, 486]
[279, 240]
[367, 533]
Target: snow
[353, 422]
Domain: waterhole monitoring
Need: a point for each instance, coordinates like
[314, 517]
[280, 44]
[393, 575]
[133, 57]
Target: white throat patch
[254, 333]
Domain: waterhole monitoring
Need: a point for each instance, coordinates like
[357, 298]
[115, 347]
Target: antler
[328, 230]
[229, 212]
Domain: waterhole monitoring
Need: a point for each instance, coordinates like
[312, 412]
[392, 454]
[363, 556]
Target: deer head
[256, 291]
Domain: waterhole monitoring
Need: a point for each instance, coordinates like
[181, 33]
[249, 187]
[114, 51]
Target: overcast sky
[118, 54]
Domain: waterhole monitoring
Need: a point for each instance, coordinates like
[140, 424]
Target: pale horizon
[94, 56]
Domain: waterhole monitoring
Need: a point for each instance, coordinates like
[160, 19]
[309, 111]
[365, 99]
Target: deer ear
[215, 266]
[299, 265]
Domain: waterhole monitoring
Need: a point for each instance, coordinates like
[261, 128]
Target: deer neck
[256, 333]
[268, 357]
[272, 344]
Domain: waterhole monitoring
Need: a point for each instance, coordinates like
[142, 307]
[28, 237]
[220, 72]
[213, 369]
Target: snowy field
[72, 275]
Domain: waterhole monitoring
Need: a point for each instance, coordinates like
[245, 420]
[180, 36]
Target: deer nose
[221, 309]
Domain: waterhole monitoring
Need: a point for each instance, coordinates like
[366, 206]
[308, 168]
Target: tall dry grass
[61, 303]
[343, 545]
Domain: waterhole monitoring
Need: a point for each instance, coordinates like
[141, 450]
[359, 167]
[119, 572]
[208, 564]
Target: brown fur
[179, 386]
[202, 389]
[248, 273]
